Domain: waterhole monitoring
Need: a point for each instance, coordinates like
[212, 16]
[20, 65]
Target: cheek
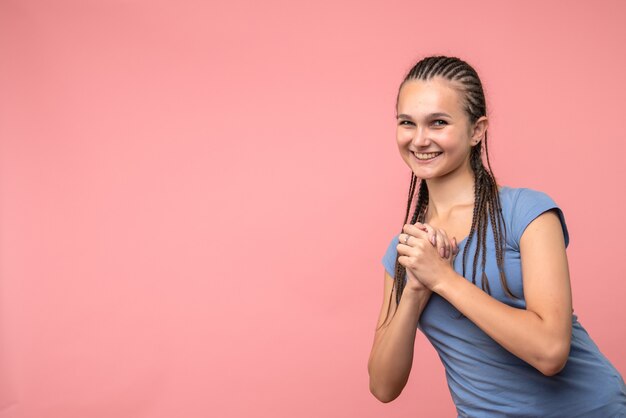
[454, 145]
[403, 138]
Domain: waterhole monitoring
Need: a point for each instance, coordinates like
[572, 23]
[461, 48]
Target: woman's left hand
[422, 256]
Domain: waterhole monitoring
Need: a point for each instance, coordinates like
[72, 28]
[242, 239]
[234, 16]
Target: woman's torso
[485, 379]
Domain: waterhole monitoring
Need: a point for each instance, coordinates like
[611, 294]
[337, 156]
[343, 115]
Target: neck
[455, 189]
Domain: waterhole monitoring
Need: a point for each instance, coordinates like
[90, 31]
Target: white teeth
[427, 156]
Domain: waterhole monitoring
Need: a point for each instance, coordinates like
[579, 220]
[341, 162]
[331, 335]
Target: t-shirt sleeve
[389, 259]
[528, 205]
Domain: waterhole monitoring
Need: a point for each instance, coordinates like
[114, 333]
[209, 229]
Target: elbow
[384, 384]
[551, 369]
[382, 394]
[555, 360]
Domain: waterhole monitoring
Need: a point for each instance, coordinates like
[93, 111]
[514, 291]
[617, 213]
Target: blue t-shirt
[486, 380]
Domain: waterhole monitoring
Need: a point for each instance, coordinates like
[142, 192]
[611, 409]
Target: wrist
[416, 290]
[446, 282]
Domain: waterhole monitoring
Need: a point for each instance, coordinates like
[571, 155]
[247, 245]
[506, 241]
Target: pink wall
[195, 196]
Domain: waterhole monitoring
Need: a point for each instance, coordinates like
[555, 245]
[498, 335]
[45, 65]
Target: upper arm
[384, 312]
[545, 274]
[389, 262]
[389, 303]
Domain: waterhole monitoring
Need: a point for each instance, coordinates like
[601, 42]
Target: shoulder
[522, 205]
[520, 197]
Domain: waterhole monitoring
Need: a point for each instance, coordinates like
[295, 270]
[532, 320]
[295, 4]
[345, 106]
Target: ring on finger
[406, 240]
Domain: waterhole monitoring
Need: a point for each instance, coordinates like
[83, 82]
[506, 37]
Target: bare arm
[541, 333]
[391, 357]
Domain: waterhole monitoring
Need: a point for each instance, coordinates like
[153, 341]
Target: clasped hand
[427, 254]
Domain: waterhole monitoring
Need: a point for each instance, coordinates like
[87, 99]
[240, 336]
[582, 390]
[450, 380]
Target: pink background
[195, 196]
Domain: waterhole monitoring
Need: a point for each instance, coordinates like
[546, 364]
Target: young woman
[481, 270]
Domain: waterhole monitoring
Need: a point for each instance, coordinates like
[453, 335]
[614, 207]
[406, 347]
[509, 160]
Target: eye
[440, 122]
[405, 123]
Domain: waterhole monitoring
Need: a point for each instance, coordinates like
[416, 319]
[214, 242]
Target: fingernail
[442, 252]
[433, 239]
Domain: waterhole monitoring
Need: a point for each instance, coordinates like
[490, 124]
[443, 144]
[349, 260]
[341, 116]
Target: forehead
[428, 96]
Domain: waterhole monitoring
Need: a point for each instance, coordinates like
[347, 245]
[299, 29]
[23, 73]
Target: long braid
[484, 282]
[499, 230]
[400, 270]
[422, 204]
[475, 216]
[487, 206]
[481, 224]
[420, 207]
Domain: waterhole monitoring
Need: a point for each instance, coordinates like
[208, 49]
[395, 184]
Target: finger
[432, 236]
[413, 230]
[456, 246]
[420, 226]
[442, 243]
[414, 249]
[446, 243]
[406, 239]
[404, 250]
[404, 261]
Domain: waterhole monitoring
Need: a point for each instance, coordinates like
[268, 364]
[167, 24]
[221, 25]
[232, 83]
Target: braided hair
[487, 205]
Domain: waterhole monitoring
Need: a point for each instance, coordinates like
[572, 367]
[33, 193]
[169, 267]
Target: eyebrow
[432, 115]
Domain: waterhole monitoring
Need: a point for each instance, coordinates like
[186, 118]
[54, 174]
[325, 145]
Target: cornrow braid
[487, 206]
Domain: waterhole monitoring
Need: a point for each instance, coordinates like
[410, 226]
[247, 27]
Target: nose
[421, 139]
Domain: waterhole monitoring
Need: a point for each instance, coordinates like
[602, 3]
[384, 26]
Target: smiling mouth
[426, 157]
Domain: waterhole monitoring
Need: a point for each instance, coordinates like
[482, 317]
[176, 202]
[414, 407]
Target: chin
[424, 177]
[419, 173]
[428, 174]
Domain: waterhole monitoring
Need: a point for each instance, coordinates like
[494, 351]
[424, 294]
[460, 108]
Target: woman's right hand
[391, 357]
[447, 249]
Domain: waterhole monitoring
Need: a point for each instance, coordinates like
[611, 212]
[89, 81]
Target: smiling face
[434, 132]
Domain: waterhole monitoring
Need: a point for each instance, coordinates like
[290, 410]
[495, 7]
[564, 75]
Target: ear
[479, 130]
